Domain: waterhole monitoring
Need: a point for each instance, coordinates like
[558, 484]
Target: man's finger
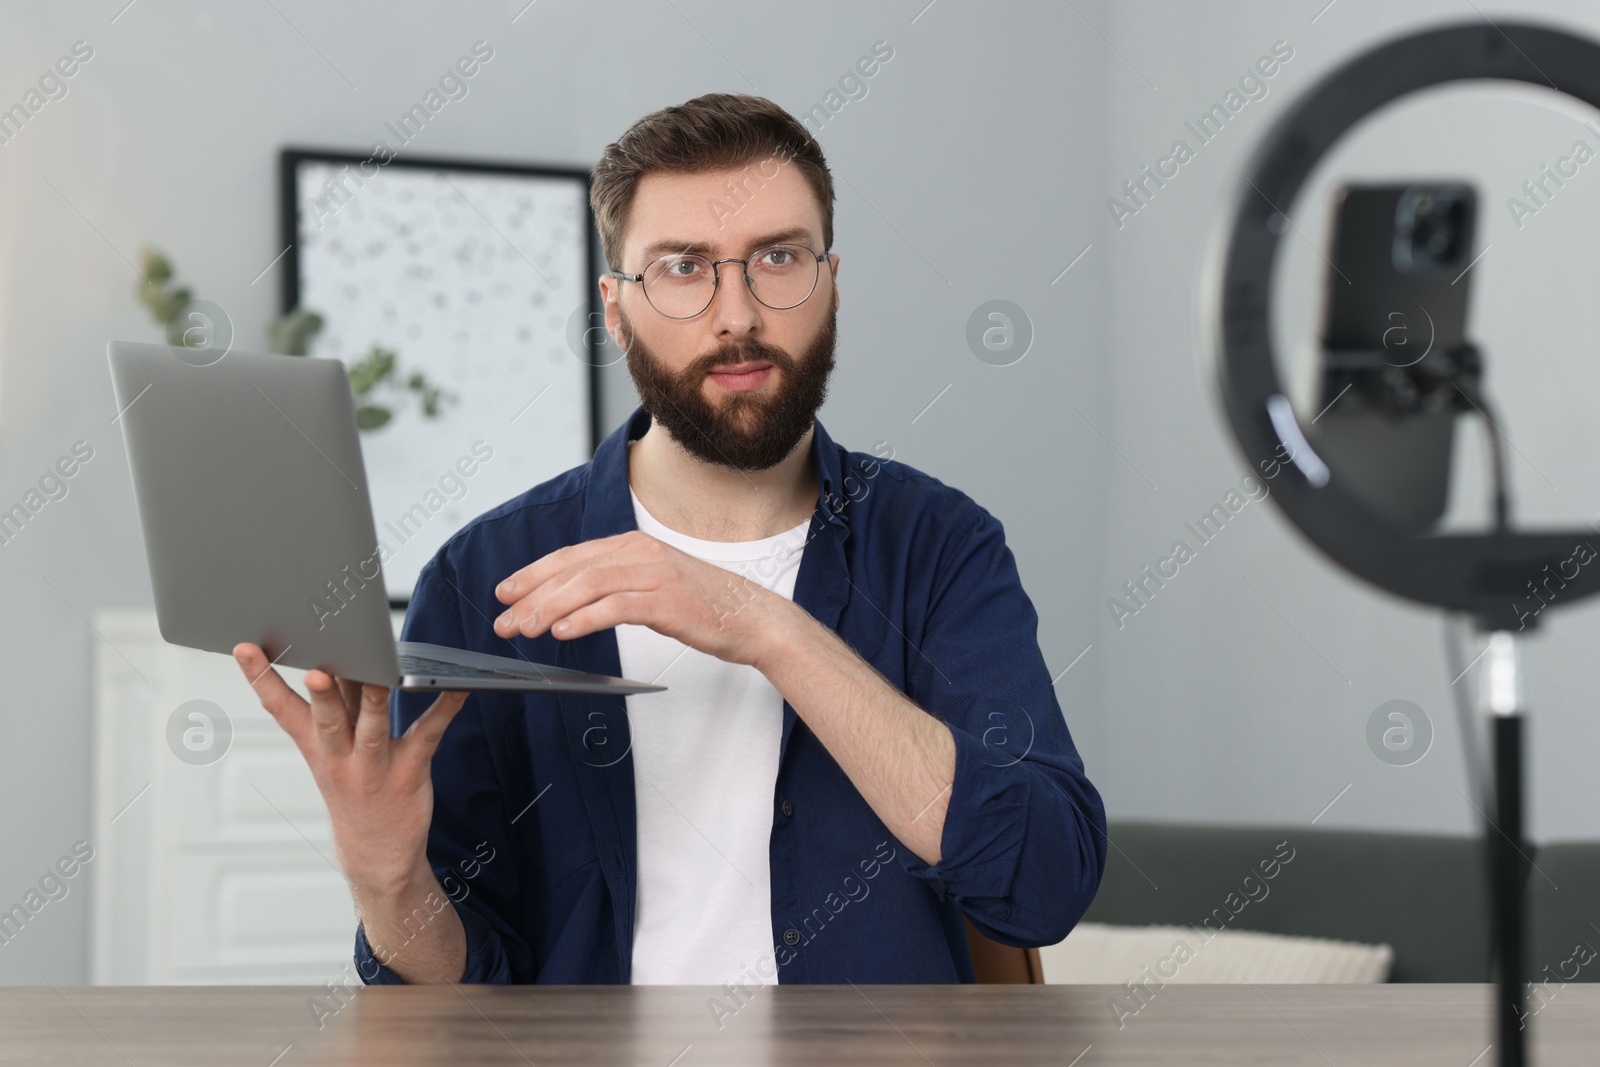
[627, 606]
[517, 585]
[281, 702]
[372, 719]
[575, 589]
[329, 714]
[350, 693]
[427, 730]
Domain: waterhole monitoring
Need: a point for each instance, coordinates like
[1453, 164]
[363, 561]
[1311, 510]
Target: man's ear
[833, 260]
[610, 289]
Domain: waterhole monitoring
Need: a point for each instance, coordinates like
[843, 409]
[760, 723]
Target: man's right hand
[379, 794]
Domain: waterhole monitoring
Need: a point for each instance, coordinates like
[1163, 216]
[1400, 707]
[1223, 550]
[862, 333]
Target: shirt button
[787, 808]
[791, 937]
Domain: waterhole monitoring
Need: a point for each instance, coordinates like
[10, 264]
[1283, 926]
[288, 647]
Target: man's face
[739, 384]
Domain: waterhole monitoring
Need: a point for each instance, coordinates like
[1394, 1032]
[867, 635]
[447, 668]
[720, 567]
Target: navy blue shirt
[533, 833]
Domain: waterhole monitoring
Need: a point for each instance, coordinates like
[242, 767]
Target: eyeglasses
[682, 285]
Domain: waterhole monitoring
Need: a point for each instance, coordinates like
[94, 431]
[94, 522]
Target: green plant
[291, 334]
[374, 379]
[379, 369]
[166, 303]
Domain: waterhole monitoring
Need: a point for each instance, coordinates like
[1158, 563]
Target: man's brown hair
[717, 131]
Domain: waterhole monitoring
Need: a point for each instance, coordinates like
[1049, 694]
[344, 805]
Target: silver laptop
[251, 491]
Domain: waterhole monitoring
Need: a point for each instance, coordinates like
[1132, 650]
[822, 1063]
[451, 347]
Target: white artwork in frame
[480, 276]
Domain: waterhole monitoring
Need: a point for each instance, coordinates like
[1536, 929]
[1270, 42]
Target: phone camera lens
[1431, 232]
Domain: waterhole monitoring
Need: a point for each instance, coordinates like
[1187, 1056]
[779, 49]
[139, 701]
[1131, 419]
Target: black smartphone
[1393, 339]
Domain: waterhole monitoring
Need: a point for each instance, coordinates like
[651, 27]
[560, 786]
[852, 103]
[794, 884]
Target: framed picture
[479, 278]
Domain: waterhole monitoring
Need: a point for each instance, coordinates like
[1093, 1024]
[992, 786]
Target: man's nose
[734, 307]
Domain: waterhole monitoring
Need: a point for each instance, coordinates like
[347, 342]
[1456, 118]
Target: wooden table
[837, 1026]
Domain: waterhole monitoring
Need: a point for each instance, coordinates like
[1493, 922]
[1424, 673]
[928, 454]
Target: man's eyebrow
[661, 248]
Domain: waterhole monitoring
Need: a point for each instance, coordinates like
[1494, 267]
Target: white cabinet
[213, 861]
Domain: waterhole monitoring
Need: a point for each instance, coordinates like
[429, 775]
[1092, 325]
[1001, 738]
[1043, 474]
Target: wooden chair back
[997, 964]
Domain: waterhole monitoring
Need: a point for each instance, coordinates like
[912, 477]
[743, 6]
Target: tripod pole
[1502, 701]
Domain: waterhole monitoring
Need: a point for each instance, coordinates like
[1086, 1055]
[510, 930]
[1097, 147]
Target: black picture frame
[289, 228]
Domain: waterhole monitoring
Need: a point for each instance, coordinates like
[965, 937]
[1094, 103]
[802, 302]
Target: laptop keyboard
[410, 663]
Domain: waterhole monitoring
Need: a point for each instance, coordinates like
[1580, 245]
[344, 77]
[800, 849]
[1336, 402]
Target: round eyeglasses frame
[716, 278]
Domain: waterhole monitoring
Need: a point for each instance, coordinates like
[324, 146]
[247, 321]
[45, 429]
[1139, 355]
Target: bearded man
[859, 750]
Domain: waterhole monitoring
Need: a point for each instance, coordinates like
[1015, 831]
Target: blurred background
[985, 161]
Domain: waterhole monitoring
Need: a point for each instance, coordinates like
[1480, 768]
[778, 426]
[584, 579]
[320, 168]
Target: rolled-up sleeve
[470, 847]
[486, 957]
[1024, 841]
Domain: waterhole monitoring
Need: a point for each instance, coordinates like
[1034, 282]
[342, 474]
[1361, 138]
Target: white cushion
[1098, 953]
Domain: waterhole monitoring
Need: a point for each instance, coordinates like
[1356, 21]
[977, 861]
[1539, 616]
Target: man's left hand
[635, 578]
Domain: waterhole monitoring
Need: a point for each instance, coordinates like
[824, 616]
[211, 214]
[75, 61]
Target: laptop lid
[252, 495]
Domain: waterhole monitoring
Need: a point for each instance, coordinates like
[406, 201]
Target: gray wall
[970, 171]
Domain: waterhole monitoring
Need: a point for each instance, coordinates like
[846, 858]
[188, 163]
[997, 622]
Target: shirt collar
[608, 508]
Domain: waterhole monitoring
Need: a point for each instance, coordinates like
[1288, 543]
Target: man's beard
[746, 431]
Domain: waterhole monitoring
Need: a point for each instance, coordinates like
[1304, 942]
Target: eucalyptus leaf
[155, 266]
[377, 366]
[371, 416]
[291, 334]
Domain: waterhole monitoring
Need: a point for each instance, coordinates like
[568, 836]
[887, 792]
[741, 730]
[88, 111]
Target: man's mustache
[734, 356]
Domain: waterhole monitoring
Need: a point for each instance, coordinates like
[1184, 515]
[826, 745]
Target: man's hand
[379, 793]
[635, 578]
[900, 758]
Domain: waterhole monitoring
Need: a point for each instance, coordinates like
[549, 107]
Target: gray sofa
[1425, 895]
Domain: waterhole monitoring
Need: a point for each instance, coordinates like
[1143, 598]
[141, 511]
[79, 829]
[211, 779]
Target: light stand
[1501, 696]
[1481, 574]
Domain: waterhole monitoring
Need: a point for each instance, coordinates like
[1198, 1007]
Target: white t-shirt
[705, 767]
